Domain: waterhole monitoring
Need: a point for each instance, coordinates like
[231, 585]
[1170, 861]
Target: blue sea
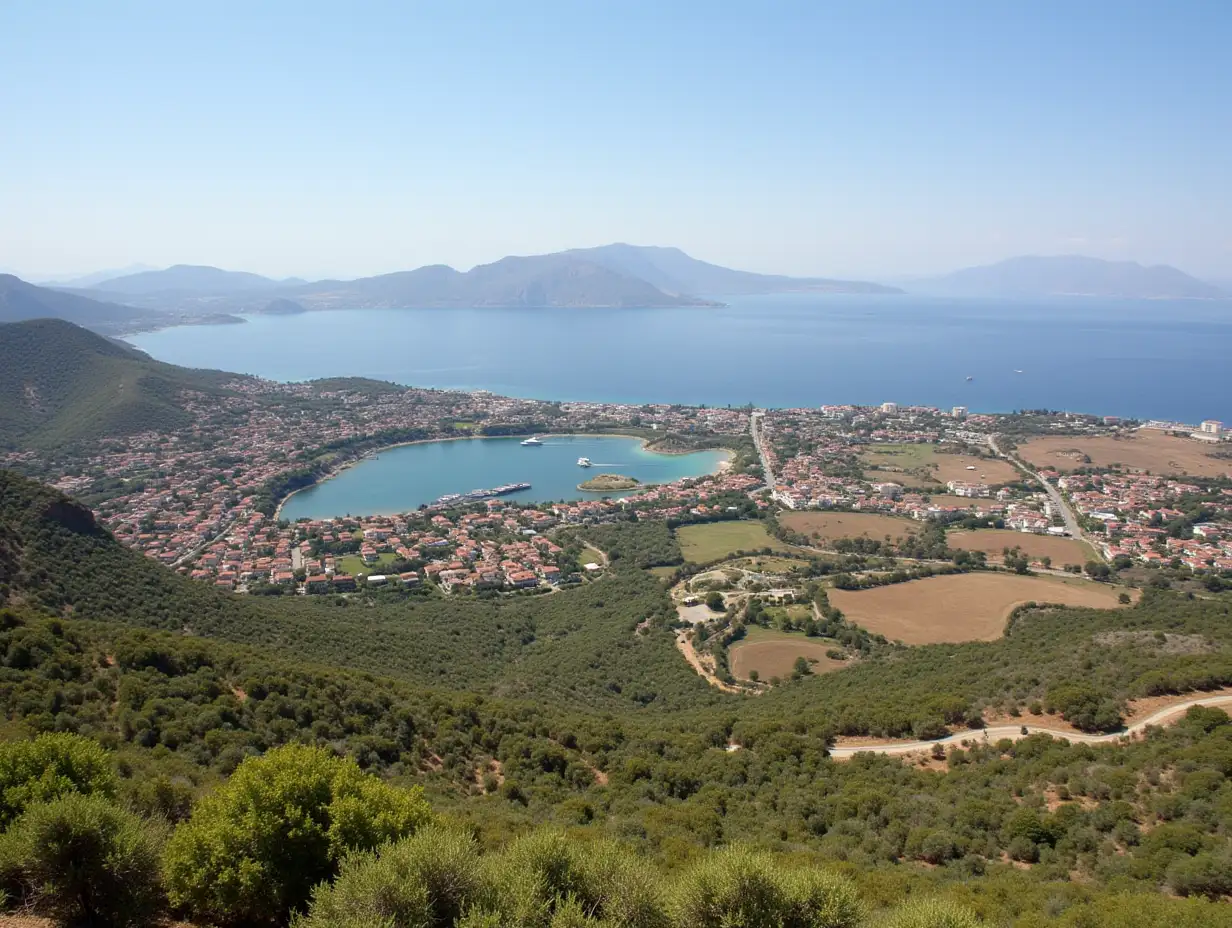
[401, 479]
[1140, 358]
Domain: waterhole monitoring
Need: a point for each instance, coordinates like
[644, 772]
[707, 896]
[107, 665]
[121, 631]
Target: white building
[889, 407]
[959, 412]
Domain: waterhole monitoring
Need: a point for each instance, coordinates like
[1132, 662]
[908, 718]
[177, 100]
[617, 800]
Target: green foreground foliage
[277, 740]
[304, 838]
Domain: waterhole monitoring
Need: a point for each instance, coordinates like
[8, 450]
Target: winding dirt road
[685, 644]
[1014, 732]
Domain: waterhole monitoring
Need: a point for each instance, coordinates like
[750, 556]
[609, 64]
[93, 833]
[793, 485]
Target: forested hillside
[61, 384]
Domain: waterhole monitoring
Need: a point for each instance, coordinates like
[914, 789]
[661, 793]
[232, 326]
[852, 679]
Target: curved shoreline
[334, 472]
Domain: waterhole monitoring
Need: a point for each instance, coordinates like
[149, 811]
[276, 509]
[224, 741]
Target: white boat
[531, 442]
[584, 462]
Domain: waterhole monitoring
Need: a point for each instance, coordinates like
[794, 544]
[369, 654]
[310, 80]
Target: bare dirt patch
[830, 526]
[1145, 450]
[961, 607]
[987, 470]
[1030, 720]
[993, 541]
[703, 664]
[1163, 642]
[1139, 709]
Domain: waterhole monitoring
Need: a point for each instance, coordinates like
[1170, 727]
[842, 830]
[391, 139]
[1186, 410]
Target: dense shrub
[740, 887]
[426, 881]
[253, 851]
[85, 861]
[928, 913]
[48, 767]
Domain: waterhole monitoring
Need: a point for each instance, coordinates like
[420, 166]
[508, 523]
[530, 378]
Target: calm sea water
[401, 479]
[1149, 358]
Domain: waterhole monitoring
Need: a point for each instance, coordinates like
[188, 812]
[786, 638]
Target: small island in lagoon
[602, 483]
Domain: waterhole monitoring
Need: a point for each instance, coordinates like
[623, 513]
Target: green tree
[88, 862]
[253, 850]
[714, 601]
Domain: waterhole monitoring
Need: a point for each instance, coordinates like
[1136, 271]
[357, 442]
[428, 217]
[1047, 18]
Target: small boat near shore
[584, 462]
[532, 442]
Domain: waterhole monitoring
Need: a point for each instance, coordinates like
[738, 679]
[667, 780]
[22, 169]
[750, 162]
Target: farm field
[987, 470]
[1146, 450]
[829, 526]
[713, 540]
[961, 607]
[773, 654]
[993, 541]
[922, 465]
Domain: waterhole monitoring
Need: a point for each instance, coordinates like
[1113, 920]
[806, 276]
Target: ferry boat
[584, 462]
[531, 442]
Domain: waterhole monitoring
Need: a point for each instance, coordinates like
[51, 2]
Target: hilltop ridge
[610, 276]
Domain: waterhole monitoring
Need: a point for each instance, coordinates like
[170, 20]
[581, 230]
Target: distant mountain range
[611, 276]
[1070, 275]
[616, 275]
[191, 279]
[673, 271]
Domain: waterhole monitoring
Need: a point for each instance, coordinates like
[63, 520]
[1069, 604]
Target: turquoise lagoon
[402, 479]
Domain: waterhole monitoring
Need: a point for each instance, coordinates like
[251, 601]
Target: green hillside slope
[61, 384]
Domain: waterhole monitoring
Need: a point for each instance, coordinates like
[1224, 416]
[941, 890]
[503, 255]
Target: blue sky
[871, 138]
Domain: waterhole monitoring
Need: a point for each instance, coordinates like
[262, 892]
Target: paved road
[1071, 521]
[195, 552]
[297, 558]
[755, 431]
[1014, 732]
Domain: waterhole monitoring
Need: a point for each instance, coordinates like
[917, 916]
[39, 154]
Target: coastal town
[205, 499]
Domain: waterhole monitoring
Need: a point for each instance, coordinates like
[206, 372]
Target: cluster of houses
[188, 497]
[1134, 512]
[820, 467]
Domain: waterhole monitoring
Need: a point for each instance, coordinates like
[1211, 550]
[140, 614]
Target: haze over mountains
[612, 276]
[187, 278]
[20, 300]
[1070, 275]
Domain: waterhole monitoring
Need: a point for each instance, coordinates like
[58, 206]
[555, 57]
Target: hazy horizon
[136, 268]
[882, 143]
